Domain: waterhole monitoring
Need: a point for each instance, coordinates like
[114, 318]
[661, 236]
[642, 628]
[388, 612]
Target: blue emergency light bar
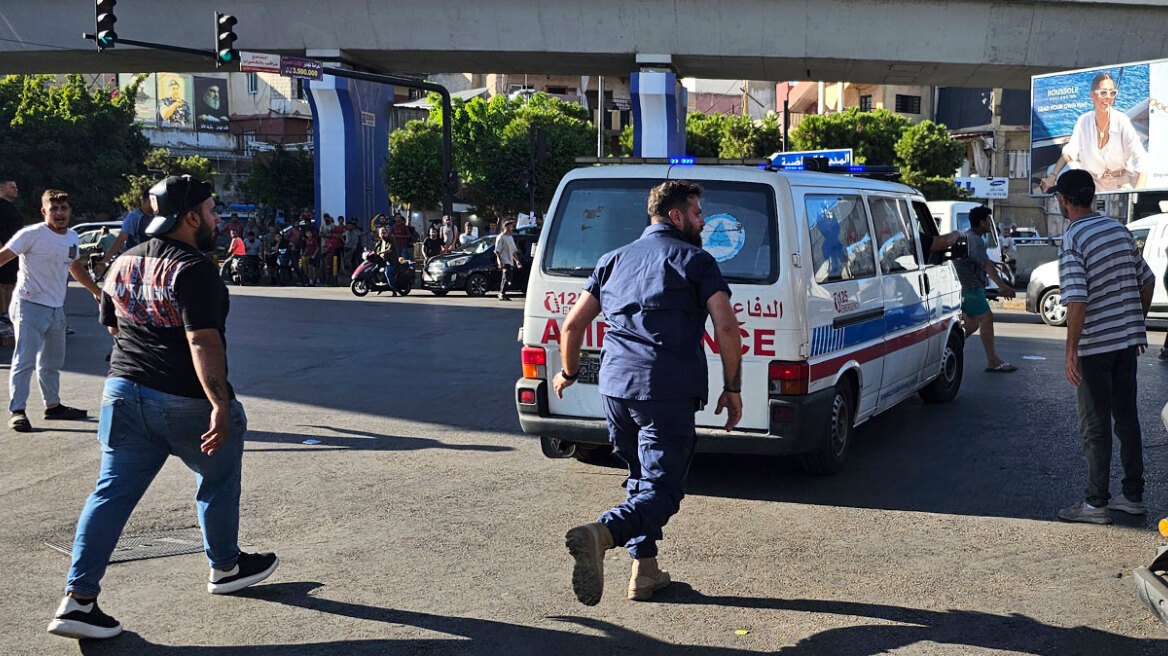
[681, 161]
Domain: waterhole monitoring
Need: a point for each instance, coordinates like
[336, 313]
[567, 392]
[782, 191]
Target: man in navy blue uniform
[655, 294]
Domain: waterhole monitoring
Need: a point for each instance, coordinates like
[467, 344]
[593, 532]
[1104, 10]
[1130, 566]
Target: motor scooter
[246, 270]
[370, 276]
[287, 272]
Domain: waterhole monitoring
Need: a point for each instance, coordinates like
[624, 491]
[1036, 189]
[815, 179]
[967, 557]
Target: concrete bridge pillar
[659, 103]
[350, 142]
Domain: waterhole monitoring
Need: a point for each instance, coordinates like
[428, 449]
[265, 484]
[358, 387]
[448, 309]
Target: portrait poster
[1111, 121]
[211, 113]
[146, 102]
[174, 101]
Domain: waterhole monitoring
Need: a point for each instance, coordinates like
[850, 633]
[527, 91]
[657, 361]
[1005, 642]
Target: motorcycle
[287, 270]
[370, 276]
[246, 270]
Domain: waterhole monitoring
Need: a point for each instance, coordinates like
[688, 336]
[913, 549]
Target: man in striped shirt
[1107, 288]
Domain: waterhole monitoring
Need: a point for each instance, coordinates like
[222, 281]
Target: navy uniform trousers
[656, 441]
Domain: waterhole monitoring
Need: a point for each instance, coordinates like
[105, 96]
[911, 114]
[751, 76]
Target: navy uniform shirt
[653, 294]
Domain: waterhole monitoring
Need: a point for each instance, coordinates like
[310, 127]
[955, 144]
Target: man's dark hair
[53, 196]
[978, 214]
[671, 195]
[5, 179]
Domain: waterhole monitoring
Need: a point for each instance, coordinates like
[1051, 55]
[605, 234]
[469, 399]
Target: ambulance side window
[841, 244]
[895, 244]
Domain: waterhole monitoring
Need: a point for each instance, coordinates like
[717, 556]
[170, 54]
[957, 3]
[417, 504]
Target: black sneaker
[249, 570]
[77, 619]
[65, 412]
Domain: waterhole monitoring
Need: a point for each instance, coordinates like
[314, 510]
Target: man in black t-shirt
[10, 223]
[167, 394]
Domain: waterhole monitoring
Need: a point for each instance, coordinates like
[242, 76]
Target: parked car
[473, 268]
[89, 236]
[114, 226]
[1151, 234]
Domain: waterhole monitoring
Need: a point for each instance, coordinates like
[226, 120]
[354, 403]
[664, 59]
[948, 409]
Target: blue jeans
[40, 344]
[139, 428]
[656, 440]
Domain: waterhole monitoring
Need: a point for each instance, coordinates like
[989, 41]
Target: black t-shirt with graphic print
[155, 293]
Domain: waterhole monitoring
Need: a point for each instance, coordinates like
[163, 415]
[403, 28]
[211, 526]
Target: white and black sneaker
[78, 619]
[249, 570]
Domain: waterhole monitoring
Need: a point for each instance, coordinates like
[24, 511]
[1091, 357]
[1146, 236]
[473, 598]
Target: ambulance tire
[831, 452]
[944, 387]
[554, 447]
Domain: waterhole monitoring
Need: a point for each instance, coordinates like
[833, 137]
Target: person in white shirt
[467, 235]
[507, 254]
[1105, 144]
[48, 253]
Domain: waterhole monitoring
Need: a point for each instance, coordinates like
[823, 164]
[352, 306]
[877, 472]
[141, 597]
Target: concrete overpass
[956, 42]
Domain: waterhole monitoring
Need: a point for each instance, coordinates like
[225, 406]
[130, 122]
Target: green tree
[769, 139]
[703, 134]
[282, 180]
[928, 157]
[413, 173]
[491, 142]
[84, 141]
[872, 136]
[160, 163]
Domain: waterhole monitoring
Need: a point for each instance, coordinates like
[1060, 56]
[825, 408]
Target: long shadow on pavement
[1014, 632]
[362, 441]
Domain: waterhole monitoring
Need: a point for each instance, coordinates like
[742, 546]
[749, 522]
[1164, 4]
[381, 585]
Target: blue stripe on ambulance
[826, 339]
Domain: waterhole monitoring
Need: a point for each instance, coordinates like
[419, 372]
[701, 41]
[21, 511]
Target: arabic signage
[996, 188]
[299, 67]
[258, 62]
[841, 157]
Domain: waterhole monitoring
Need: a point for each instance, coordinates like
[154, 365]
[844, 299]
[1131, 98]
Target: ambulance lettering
[760, 341]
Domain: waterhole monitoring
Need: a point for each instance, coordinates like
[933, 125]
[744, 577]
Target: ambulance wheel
[944, 387]
[828, 457]
[554, 447]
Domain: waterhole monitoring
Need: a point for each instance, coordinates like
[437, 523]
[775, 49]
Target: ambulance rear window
[594, 217]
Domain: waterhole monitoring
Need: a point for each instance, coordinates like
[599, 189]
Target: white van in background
[842, 315]
[953, 215]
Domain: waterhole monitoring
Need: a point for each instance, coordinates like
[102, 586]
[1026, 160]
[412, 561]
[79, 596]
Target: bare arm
[942, 243]
[1076, 313]
[115, 248]
[6, 255]
[729, 339]
[82, 276]
[991, 270]
[572, 337]
[1047, 183]
[1146, 296]
[210, 359]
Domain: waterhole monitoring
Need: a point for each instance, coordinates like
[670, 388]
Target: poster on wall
[146, 102]
[211, 104]
[1111, 121]
[174, 101]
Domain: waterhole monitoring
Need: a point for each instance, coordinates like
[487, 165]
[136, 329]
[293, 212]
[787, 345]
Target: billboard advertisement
[146, 102]
[1111, 121]
[211, 104]
[174, 101]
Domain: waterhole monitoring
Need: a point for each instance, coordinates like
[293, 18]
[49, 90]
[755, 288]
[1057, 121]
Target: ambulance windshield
[594, 217]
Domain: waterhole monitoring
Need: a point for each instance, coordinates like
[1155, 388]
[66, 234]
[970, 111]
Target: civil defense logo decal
[723, 236]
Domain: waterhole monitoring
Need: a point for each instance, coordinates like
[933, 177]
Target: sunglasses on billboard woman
[1105, 92]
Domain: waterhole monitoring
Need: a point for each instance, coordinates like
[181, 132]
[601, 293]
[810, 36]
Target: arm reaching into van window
[572, 337]
[729, 339]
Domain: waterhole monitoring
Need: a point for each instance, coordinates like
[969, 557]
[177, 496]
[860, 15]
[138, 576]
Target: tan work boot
[646, 579]
[587, 544]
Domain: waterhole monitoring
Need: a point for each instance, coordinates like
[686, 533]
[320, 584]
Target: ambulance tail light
[789, 377]
[534, 362]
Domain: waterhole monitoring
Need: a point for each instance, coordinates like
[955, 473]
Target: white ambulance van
[842, 316]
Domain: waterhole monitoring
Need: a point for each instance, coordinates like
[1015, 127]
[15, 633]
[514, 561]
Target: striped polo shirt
[1100, 265]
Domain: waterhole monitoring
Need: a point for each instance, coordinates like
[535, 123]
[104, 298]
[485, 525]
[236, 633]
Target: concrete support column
[350, 140]
[821, 100]
[839, 100]
[659, 104]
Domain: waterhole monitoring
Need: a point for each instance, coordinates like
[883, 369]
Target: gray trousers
[1107, 394]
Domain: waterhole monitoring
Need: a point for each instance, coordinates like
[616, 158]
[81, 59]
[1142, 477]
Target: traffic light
[542, 150]
[104, 20]
[225, 51]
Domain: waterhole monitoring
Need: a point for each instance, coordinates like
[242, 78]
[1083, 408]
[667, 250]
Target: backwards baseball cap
[1077, 186]
[173, 197]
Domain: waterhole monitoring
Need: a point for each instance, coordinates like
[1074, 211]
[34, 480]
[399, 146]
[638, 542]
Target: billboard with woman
[1108, 121]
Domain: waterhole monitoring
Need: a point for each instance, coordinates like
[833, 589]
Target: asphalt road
[425, 522]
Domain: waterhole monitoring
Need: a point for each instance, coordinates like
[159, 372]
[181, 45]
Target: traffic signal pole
[449, 180]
